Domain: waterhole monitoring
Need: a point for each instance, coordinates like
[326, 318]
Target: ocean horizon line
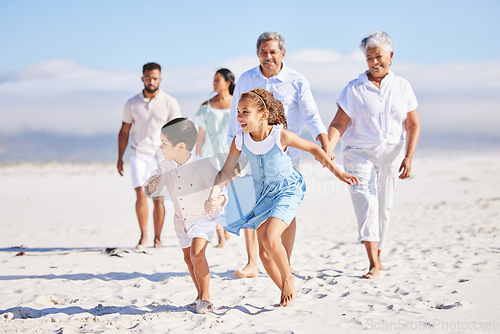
[47, 147]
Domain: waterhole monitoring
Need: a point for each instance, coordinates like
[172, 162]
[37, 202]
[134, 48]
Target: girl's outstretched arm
[223, 177]
[291, 139]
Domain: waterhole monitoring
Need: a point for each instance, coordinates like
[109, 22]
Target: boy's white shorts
[204, 229]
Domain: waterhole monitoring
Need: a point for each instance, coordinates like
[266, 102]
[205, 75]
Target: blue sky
[117, 34]
[67, 60]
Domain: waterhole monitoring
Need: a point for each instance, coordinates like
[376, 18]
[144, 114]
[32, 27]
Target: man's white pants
[373, 198]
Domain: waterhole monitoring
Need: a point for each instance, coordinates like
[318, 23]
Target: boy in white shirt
[188, 180]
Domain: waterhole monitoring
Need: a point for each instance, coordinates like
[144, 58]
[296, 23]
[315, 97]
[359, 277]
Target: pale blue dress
[214, 122]
[275, 188]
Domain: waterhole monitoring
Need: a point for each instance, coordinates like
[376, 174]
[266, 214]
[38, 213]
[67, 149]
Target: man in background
[143, 116]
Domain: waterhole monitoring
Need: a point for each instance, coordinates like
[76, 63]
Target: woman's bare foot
[221, 237]
[143, 241]
[372, 273]
[158, 244]
[249, 271]
[288, 291]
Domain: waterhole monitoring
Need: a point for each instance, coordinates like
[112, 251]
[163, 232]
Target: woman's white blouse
[377, 115]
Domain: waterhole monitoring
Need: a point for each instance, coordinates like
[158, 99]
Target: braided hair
[265, 100]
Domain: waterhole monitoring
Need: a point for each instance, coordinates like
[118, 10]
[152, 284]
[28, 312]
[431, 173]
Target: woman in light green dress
[212, 119]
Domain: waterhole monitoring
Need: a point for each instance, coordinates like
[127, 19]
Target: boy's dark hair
[150, 67]
[181, 130]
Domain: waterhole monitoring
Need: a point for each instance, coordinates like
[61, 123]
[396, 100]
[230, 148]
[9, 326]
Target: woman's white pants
[373, 198]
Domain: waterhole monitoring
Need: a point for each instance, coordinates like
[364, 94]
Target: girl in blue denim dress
[278, 187]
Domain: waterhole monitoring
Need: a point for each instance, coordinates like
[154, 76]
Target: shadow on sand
[100, 310]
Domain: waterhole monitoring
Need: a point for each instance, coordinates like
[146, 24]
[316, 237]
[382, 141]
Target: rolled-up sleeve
[127, 113]
[342, 102]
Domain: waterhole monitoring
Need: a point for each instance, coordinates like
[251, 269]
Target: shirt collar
[191, 158]
[281, 75]
[143, 98]
[364, 78]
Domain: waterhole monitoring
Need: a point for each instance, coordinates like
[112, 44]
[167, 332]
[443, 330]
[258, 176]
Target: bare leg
[267, 261]
[141, 209]
[288, 238]
[158, 218]
[250, 270]
[187, 259]
[380, 261]
[372, 252]
[269, 235]
[220, 235]
[200, 266]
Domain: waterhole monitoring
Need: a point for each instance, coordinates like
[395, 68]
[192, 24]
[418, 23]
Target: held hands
[153, 183]
[212, 203]
[328, 148]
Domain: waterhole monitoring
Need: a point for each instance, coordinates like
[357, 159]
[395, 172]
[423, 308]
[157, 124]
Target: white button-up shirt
[293, 90]
[188, 186]
[147, 118]
[377, 115]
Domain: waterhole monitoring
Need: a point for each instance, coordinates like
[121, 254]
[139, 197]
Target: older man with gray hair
[293, 90]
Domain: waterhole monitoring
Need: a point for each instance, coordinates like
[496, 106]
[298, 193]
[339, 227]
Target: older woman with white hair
[378, 125]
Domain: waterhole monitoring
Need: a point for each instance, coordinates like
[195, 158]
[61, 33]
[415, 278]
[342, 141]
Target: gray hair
[378, 38]
[272, 36]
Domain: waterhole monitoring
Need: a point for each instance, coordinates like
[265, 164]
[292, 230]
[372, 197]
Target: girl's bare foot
[226, 234]
[249, 271]
[288, 291]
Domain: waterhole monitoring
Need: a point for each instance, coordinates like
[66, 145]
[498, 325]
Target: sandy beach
[68, 264]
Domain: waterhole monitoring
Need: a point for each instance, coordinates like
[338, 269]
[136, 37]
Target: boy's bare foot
[288, 291]
[372, 273]
[248, 272]
[158, 244]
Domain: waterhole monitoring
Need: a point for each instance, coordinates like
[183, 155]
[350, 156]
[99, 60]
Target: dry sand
[443, 257]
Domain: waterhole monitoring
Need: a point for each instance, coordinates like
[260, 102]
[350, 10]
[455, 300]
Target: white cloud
[66, 97]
